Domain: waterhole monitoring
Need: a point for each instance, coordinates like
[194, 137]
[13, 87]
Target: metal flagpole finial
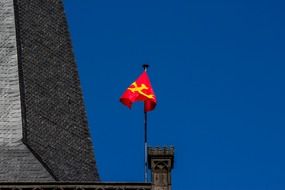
[145, 67]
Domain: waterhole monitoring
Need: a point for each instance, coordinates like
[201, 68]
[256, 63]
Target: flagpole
[145, 66]
[145, 146]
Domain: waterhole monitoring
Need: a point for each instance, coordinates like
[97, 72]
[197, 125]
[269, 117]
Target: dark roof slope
[17, 164]
[55, 124]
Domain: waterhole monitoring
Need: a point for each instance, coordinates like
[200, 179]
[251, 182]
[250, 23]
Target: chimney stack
[160, 162]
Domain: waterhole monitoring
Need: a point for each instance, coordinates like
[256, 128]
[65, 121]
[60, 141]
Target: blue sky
[217, 68]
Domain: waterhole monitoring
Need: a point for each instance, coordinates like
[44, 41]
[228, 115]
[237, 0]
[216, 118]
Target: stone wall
[75, 186]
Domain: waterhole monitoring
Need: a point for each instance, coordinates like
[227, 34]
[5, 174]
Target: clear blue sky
[217, 68]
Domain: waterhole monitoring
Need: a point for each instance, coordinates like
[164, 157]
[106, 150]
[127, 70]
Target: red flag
[140, 90]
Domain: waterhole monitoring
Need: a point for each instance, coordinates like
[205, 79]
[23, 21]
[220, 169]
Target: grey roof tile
[17, 164]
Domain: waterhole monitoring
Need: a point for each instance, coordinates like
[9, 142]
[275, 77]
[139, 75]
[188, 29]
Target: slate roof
[17, 163]
[44, 133]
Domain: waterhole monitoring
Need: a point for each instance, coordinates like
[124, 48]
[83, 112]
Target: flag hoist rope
[145, 66]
